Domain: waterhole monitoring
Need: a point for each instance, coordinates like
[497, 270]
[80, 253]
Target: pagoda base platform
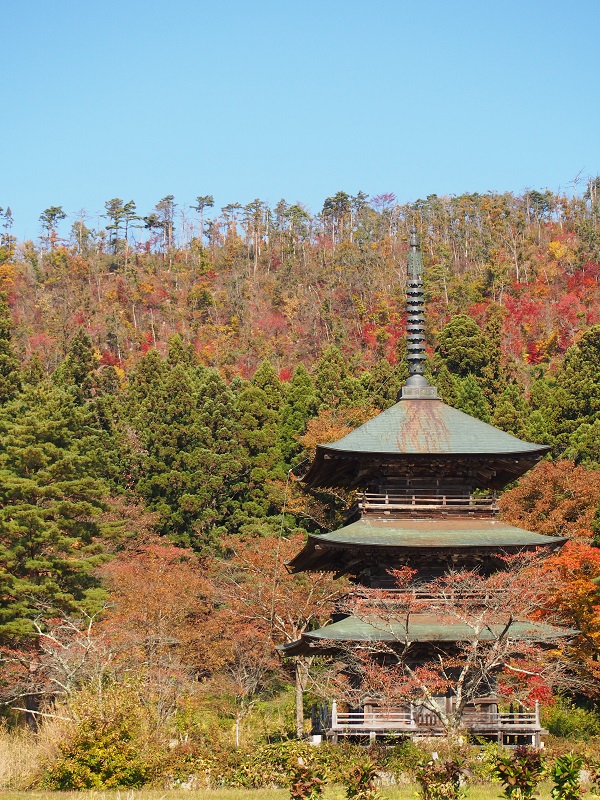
[508, 728]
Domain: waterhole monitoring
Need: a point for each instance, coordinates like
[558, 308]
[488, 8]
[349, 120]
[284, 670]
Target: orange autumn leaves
[562, 499]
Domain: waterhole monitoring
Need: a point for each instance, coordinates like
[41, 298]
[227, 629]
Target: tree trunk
[301, 667]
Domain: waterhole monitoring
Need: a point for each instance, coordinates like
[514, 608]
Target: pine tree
[471, 400]
[494, 373]
[462, 347]
[334, 385]
[10, 377]
[299, 405]
[78, 368]
[33, 371]
[145, 380]
[447, 385]
[51, 457]
[222, 459]
[584, 445]
[192, 465]
[545, 399]
[577, 398]
[512, 411]
[259, 405]
[538, 429]
[180, 353]
[382, 383]
[108, 381]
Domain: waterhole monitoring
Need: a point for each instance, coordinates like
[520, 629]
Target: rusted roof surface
[432, 427]
[426, 534]
[420, 628]
[420, 429]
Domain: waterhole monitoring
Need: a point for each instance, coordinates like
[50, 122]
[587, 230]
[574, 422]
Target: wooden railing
[422, 501]
[416, 718]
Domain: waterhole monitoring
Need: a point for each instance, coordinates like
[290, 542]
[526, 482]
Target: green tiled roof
[429, 427]
[421, 437]
[421, 628]
[435, 533]
[321, 551]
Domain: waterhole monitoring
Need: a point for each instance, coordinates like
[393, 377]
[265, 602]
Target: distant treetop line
[253, 282]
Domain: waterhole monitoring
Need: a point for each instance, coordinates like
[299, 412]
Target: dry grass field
[489, 792]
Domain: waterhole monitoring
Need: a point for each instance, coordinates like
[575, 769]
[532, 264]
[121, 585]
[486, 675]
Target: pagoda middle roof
[418, 534]
[422, 627]
[420, 428]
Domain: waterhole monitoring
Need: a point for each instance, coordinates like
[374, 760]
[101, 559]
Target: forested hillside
[255, 282]
[164, 379]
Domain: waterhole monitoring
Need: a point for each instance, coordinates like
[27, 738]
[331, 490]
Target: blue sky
[275, 100]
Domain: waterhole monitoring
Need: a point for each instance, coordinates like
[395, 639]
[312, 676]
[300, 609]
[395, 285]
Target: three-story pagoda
[426, 477]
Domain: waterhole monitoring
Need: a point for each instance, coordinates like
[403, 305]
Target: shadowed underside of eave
[390, 537]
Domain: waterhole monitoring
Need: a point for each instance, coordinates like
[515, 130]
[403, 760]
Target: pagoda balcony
[516, 726]
[422, 503]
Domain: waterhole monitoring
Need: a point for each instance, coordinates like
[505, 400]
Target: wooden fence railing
[415, 718]
[372, 501]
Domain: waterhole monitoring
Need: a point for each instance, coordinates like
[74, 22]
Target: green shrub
[440, 780]
[306, 785]
[107, 745]
[271, 765]
[565, 774]
[404, 758]
[360, 780]
[519, 771]
[567, 721]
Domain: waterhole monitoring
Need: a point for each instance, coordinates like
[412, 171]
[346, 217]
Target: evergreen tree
[462, 347]
[191, 462]
[447, 385]
[51, 457]
[180, 353]
[222, 457]
[382, 383]
[78, 368]
[538, 429]
[299, 405]
[584, 445]
[494, 373]
[541, 394]
[545, 399]
[109, 383]
[577, 398]
[334, 386]
[259, 406]
[33, 371]
[10, 377]
[471, 400]
[145, 380]
[512, 411]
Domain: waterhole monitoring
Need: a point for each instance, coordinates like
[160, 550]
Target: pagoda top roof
[491, 535]
[420, 428]
[421, 627]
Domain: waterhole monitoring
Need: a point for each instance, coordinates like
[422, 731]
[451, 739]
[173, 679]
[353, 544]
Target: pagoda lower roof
[421, 628]
[394, 535]
[415, 431]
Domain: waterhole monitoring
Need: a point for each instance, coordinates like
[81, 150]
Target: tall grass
[22, 754]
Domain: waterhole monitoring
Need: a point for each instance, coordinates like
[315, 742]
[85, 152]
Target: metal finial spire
[416, 385]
